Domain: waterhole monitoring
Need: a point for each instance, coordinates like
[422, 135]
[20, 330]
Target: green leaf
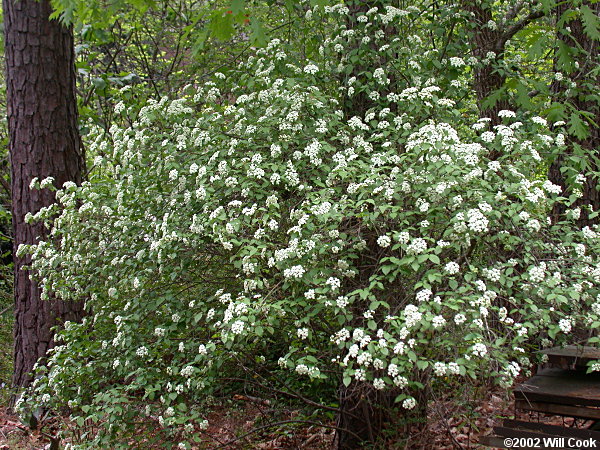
[237, 6]
[556, 112]
[565, 59]
[591, 23]
[538, 45]
[198, 45]
[258, 36]
[422, 364]
[99, 83]
[547, 5]
[578, 127]
[347, 380]
[493, 98]
[221, 25]
[523, 95]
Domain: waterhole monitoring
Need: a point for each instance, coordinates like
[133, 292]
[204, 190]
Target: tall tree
[44, 142]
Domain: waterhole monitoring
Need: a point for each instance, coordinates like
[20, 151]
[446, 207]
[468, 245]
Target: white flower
[417, 245]
[334, 283]
[423, 295]
[565, 325]
[506, 113]
[142, 351]
[537, 273]
[453, 368]
[452, 268]
[403, 237]
[412, 315]
[539, 121]
[477, 222]
[294, 272]
[302, 369]
[456, 61]
[409, 403]
[384, 241]
[378, 384]
[311, 69]
[237, 327]
[342, 301]
[302, 333]
[479, 349]
[439, 368]
[187, 371]
[488, 136]
[459, 319]
[438, 321]
[46, 182]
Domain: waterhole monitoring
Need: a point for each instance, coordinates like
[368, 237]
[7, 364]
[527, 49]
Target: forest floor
[236, 422]
[450, 426]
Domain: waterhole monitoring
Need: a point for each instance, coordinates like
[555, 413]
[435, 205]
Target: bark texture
[485, 41]
[486, 78]
[44, 141]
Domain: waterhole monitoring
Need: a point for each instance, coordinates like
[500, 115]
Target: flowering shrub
[370, 248]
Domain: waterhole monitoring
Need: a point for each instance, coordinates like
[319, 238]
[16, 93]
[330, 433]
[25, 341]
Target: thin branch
[514, 11]
[285, 422]
[515, 28]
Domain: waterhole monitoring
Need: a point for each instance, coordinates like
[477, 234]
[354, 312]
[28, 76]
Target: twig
[445, 423]
[285, 422]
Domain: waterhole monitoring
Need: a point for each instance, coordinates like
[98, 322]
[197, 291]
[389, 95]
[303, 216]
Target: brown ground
[451, 426]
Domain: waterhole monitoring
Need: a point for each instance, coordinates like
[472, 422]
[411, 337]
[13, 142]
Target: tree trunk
[364, 412]
[44, 142]
[486, 79]
[586, 55]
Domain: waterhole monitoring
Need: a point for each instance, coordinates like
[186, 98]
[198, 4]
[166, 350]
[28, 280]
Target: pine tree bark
[486, 78]
[44, 142]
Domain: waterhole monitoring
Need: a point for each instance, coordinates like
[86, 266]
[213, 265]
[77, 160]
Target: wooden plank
[567, 387]
[572, 356]
[558, 409]
[516, 433]
[492, 441]
[580, 433]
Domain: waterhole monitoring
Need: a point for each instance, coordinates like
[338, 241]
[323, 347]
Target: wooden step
[560, 386]
[538, 435]
[579, 433]
[572, 356]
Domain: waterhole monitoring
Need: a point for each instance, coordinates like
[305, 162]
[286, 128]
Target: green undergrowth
[6, 332]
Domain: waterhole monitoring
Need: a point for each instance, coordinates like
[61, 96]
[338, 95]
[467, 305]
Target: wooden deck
[563, 389]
